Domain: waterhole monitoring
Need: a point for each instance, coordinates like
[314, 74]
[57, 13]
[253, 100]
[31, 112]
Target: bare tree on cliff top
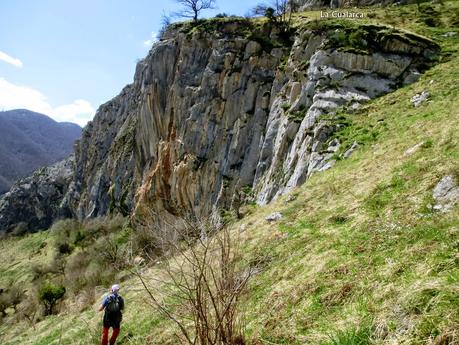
[192, 8]
[277, 11]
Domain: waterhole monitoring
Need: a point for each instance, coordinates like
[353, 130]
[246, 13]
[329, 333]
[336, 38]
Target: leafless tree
[192, 8]
[28, 310]
[277, 11]
[200, 283]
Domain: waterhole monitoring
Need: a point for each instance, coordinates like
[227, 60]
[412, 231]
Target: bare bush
[20, 229]
[278, 12]
[166, 22]
[65, 232]
[10, 298]
[29, 309]
[75, 270]
[95, 228]
[86, 253]
[203, 281]
[55, 267]
[38, 270]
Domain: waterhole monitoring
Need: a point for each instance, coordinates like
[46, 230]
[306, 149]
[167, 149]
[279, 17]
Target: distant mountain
[30, 140]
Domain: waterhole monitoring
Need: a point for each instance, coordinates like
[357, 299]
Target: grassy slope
[357, 250]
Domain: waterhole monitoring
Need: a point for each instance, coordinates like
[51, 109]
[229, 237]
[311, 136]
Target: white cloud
[154, 38]
[11, 60]
[80, 111]
[14, 96]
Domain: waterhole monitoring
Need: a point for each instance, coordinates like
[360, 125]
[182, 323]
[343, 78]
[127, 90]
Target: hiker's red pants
[115, 333]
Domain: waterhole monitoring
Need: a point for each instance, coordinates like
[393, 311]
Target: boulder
[412, 150]
[351, 150]
[446, 194]
[274, 217]
[420, 98]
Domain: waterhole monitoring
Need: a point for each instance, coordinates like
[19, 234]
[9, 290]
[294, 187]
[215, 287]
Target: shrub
[86, 254]
[75, 270]
[10, 298]
[430, 16]
[85, 299]
[208, 277]
[427, 144]
[28, 309]
[39, 270]
[145, 241]
[285, 106]
[65, 234]
[279, 14]
[57, 267]
[339, 38]
[64, 248]
[49, 294]
[99, 274]
[20, 229]
[103, 226]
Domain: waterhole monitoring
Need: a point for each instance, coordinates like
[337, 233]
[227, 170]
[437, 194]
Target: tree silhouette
[192, 8]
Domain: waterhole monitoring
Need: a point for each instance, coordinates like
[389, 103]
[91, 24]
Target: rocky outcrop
[33, 203]
[222, 111]
[338, 74]
[105, 157]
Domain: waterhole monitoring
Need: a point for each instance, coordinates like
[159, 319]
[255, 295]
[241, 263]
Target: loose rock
[420, 98]
[446, 194]
[139, 261]
[274, 217]
[351, 150]
[414, 149]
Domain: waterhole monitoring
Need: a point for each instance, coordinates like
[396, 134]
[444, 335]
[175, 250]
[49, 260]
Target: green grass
[359, 256]
[18, 256]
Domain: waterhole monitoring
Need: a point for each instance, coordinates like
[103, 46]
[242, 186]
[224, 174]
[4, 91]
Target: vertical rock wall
[228, 110]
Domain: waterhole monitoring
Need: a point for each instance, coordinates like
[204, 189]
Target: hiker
[113, 304]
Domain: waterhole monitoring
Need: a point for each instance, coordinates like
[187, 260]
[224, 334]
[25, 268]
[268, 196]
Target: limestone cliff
[34, 202]
[226, 110]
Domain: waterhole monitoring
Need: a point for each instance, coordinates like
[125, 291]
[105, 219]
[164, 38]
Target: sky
[64, 58]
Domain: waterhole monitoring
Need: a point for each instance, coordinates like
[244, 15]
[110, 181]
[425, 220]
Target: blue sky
[66, 57]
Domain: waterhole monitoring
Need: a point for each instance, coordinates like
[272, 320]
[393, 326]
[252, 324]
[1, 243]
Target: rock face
[336, 76]
[218, 114]
[35, 202]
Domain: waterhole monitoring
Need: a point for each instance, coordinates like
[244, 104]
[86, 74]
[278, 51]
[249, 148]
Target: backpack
[114, 305]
